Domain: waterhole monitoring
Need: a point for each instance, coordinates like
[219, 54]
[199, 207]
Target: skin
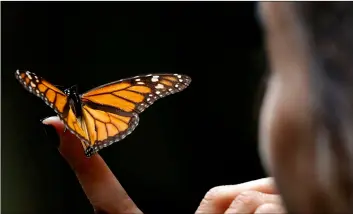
[286, 140]
[287, 130]
[103, 190]
[106, 194]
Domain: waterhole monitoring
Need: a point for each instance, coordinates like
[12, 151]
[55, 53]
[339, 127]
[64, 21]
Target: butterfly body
[74, 101]
[108, 113]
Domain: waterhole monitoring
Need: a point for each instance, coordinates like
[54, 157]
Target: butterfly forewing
[52, 96]
[137, 93]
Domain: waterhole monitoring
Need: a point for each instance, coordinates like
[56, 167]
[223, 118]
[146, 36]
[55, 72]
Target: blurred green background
[184, 145]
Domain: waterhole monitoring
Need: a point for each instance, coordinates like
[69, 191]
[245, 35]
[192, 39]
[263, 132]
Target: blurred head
[306, 122]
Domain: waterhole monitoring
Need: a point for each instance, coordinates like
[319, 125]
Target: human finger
[250, 201]
[103, 190]
[270, 208]
[218, 199]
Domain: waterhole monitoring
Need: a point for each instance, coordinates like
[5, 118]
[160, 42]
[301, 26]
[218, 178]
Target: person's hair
[328, 27]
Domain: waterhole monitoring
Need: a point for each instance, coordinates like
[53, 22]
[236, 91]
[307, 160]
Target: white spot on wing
[137, 80]
[154, 79]
[159, 86]
[141, 83]
[158, 92]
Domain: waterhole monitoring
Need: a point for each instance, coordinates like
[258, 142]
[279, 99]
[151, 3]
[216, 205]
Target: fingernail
[46, 120]
[41, 120]
[52, 135]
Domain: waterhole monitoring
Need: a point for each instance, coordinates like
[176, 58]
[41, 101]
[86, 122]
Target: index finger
[100, 185]
[219, 198]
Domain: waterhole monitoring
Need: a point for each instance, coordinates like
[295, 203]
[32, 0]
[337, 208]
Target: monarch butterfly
[108, 113]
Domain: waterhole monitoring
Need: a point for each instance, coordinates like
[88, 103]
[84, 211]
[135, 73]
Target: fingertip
[95, 177]
[70, 146]
[53, 121]
[50, 120]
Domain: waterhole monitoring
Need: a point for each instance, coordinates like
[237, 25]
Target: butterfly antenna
[45, 132]
[59, 86]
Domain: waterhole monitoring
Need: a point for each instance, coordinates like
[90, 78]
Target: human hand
[103, 190]
[106, 194]
[259, 196]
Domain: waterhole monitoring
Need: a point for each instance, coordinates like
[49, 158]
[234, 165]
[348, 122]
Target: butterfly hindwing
[106, 126]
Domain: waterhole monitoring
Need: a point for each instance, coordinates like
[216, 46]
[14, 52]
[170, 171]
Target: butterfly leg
[89, 151]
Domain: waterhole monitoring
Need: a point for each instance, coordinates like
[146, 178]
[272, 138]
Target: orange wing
[111, 111]
[105, 127]
[137, 93]
[57, 100]
[52, 96]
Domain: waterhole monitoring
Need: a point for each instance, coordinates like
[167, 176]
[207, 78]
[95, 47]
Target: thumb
[99, 184]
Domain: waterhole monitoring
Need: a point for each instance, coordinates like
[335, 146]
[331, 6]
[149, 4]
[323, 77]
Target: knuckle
[246, 198]
[211, 195]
